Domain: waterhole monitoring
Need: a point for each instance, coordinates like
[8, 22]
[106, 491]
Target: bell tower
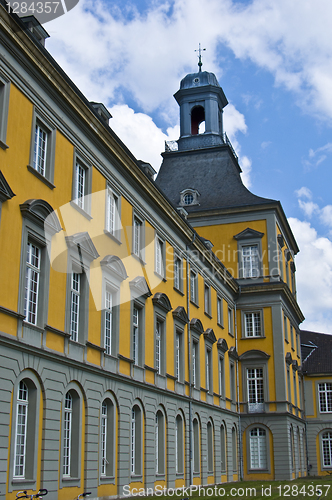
[201, 101]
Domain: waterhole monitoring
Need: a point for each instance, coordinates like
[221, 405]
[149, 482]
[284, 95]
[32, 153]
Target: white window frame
[230, 321]
[108, 322]
[207, 299]
[326, 440]
[113, 214]
[258, 449]
[40, 149]
[208, 370]
[160, 256]
[325, 397]
[177, 355]
[158, 345]
[82, 185]
[136, 333]
[75, 299]
[177, 273]
[104, 422]
[32, 278]
[220, 311]
[256, 387]
[21, 429]
[250, 261]
[138, 237]
[253, 324]
[67, 435]
[193, 287]
[195, 362]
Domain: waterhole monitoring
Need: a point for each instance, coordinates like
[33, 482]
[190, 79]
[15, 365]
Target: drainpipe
[191, 468]
[238, 396]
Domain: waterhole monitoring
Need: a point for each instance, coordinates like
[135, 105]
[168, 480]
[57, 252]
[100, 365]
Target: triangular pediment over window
[248, 234]
[232, 353]
[5, 191]
[180, 314]
[196, 325]
[139, 287]
[162, 301]
[222, 345]
[83, 244]
[114, 265]
[210, 336]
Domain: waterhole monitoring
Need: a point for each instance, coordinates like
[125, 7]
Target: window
[188, 199]
[295, 388]
[221, 375]
[138, 237]
[177, 273]
[325, 397]
[289, 385]
[210, 446]
[220, 315]
[108, 322]
[196, 446]
[230, 321]
[286, 328]
[71, 435]
[179, 371]
[258, 455]
[234, 449]
[42, 152]
[193, 287]
[67, 434]
[136, 335]
[82, 183]
[292, 448]
[32, 283]
[75, 305]
[253, 326]
[113, 222]
[179, 445]
[21, 430]
[160, 257]
[208, 361]
[136, 441]
[223, 447]
[195, 358]
[207, 299]
[255, 388]
[292, 336]
[327, 449]
[232, 382]
[4, 102]
[160, 443]
[250, 261]
[107, 438]
[159, 348]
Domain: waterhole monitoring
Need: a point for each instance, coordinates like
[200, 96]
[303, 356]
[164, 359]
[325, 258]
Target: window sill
[114, 238]
[80, 210]
[107, 479]
[3, 145]
[40, 177]
[221, 326]
[178, 291]
[160, 276]
[22, 480]
[231, 334]
[254, 337]
[208, 314]
[34, 327]
[194, 304]
[138, 258]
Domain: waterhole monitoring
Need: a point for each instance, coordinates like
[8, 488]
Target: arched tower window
[197, 119]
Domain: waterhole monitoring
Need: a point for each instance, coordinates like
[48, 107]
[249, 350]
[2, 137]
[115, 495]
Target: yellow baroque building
[149, 329]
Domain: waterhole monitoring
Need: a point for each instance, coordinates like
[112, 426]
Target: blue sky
[274, 62]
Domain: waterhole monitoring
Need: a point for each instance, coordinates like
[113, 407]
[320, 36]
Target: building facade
[149, 329]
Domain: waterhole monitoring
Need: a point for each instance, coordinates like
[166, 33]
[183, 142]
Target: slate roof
[316, 352]
[213, 172]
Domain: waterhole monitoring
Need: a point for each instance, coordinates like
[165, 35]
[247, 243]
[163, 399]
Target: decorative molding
[51, 329]
[161, 300]
[94, 346]
[115, 266]
[222, 345]
[196, 325]
[248, 233]
[288, 358]
[139, 287]
[6, 192]
[254, 354]
[83, 244]
[10, 312]
[40, 211]
[232, 353]
[295, 365]
[180, 314]
[281, 240]
[210, 336]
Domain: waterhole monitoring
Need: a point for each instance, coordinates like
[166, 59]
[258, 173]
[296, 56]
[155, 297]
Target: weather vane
[199, 50]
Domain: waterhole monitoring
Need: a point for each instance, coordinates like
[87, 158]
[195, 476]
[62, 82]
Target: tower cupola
[201, 101]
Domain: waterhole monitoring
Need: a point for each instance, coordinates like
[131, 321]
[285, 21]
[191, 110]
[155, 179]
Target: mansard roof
[316, 352]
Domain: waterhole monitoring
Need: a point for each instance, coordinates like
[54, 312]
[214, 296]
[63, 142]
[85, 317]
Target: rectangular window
[232, 382]
[230, 321]
[4, 103]
[159, 264]
[21, 430]
[135, 335]
[220, 316]
[108, 322]
[208, 370]
[158, 347]
[295, 389]
[133, 440]
[250, 261]
[207, 299]
[195, 363]
[193, 287]
[325, 397]
[255, 388]
[177, 273]
[138, 237]
[292, 337]
[258, 455]
[32, 283]
[221, 376]
[112, 212]
[67, 434]
[40, 150]
[80, 185]
[75, 306]
[103, 438]
[286, 328]
[253, 324]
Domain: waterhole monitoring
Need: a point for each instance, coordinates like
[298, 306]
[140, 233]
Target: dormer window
[189, 197]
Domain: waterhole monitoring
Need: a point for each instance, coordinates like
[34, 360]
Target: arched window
[209, 430]
[107, 438]
[197, 119]
[21, 430]
[327, 449]
[179, 445]
[136, 446]
[234, 449]
[71, 444]
[223, 448]
[196, 445]
[160, 442]
[292, 448]
[258, 455]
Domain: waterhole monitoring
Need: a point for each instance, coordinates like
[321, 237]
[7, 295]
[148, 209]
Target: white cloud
[326, 215]
[304, 192]
[314, 276]
[308, 207]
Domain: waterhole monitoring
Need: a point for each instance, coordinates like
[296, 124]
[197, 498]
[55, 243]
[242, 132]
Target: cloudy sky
[274, 62]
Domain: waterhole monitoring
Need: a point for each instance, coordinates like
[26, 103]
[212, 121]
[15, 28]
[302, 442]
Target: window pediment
[115, 266]
[139, 287]
[222, 345]
[84, 246]
[189, 197]
[180, 314]
[6, 192]
[232, 353]
[41, 212]
[248, 234]
[254, 354]
[162, 301]
[196, 325]
[210, 336]
[288, 358]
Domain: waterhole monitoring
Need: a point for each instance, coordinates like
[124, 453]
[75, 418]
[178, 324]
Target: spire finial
[199, 50]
